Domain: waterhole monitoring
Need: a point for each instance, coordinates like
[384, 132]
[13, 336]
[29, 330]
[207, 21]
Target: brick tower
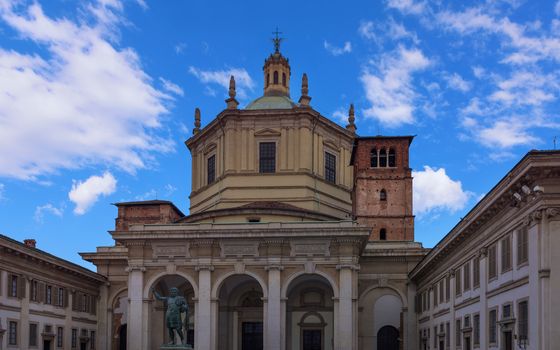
[382, 192]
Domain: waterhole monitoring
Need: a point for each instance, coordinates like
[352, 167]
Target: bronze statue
[176, 305]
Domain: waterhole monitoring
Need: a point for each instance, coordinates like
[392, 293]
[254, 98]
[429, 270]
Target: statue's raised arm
[157, 296]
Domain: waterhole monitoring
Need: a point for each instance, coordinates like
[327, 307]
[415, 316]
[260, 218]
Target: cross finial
[276, 40]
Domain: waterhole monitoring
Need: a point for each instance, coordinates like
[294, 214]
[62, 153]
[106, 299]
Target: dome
[272, 102]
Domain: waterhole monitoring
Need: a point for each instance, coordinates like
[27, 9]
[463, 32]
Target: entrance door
[388, 338]
[252, 336]
[441, 345]
[312, 339]
[508, 341]
[46, 345]
[122, 337]
[467, 343]
[83, 346]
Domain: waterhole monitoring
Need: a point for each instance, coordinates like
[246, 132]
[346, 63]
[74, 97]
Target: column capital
[274, 267]
[204, 267]
[354, 267]
[483, 252]
[135, 267]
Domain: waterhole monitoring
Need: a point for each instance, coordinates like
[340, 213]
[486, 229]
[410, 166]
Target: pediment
[210, 147]
[267, 132]
[331, 144]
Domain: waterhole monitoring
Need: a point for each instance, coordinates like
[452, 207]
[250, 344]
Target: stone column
[205, 329]
[273, 336]
[135, 334]
[410, 331]
[346, 308]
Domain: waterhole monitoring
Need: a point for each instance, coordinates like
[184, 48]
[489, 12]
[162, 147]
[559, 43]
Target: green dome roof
[272, 102]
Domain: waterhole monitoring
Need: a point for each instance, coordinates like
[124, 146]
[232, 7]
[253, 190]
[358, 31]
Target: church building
[300, 236]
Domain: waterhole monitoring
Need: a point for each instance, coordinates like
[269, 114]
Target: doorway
[312, 339]
[122, 337]
[388, 338]
[46, 345]
[467, 343]
[508, 341]
[252, 336]
[441, 345]
[83, 346]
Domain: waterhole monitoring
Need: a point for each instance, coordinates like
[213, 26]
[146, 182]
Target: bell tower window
[211, 169]
[392, 158]
[373, 158]
[383, 234]
[275, 79]
[383, 158]
[383, 195]
[267, 79]
[283, 79]
[330, 167]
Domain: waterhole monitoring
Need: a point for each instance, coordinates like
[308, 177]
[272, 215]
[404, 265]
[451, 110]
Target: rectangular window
[92, 340]
[211, 169]
[506, 254]
[428, 299]
[59, 337]
[523, 323]
[14, 286]
[447, 335]
[330, 167]
[435, 289]
[467, 322]
[48, 296]
[435, 337]
[467, 276]
[476, 330]
[12, 333]
[492, 326]
[447, 288]
[476, 272]
[267, 157]
[74, 338]
[441, 291]
[492, 268]
[506, 311]
[522, 246]
[60, 297]
[458, 333]
[458, 282]
[34, 289]
[32, 334]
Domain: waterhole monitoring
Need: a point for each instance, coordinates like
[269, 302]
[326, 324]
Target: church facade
[300, 236]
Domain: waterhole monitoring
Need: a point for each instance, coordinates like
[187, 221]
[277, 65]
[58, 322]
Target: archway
[119, 320]
[310, 313]
[240, 313]
[156, 318]
[388, 338]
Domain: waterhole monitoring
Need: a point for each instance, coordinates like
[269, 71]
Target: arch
[275, 77]
[221, 279]
[283, 79]
[392, 158]
[383, 158]
[148, 285]
[401, 295]
[383, 234]
[388, 338]
[383, 195]
[267, 79]
[373, 158]
[111, 299]
[292, 277]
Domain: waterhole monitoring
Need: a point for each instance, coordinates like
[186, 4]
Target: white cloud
[180, 48]
[434, 190]
[171, 87]
[151, 194]
[77, 99]
[337, 51]
[47, 208]
[407, 6]
[243, 81]
[341, 116]
[389, 86]
[366, 30]
[525, 88]
[479, 72]
[85, 194]
[456, 82]
[506, 133]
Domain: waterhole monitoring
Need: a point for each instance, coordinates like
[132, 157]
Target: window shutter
[21, 287]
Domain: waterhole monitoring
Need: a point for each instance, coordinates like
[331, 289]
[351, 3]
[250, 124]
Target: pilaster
[206, 311]
[135, 340]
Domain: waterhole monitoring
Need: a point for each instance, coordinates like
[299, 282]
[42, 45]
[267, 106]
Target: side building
[491, 282]
[45, 302]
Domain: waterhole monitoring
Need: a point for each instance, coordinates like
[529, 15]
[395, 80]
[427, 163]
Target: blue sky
[97, 97]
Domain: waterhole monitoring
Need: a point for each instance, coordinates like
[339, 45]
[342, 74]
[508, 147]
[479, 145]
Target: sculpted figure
[176, 305]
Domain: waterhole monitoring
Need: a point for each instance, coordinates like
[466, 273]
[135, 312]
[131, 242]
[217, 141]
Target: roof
[53, 259]
[150, 202]
[272, 102]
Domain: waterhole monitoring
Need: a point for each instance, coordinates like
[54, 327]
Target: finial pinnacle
[196, 129]
[277, 40]
[232, 87]
[351, 126]
[304, 99]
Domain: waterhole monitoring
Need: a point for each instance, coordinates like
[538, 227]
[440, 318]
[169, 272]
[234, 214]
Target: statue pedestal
[176, 347]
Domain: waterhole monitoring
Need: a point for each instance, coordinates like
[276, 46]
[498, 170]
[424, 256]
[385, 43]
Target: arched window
[284, 79]
[267, 79]
[383, 234]
[275, 79]
[383, 195]
[373, 158]
[392, 158]
[383, 158]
